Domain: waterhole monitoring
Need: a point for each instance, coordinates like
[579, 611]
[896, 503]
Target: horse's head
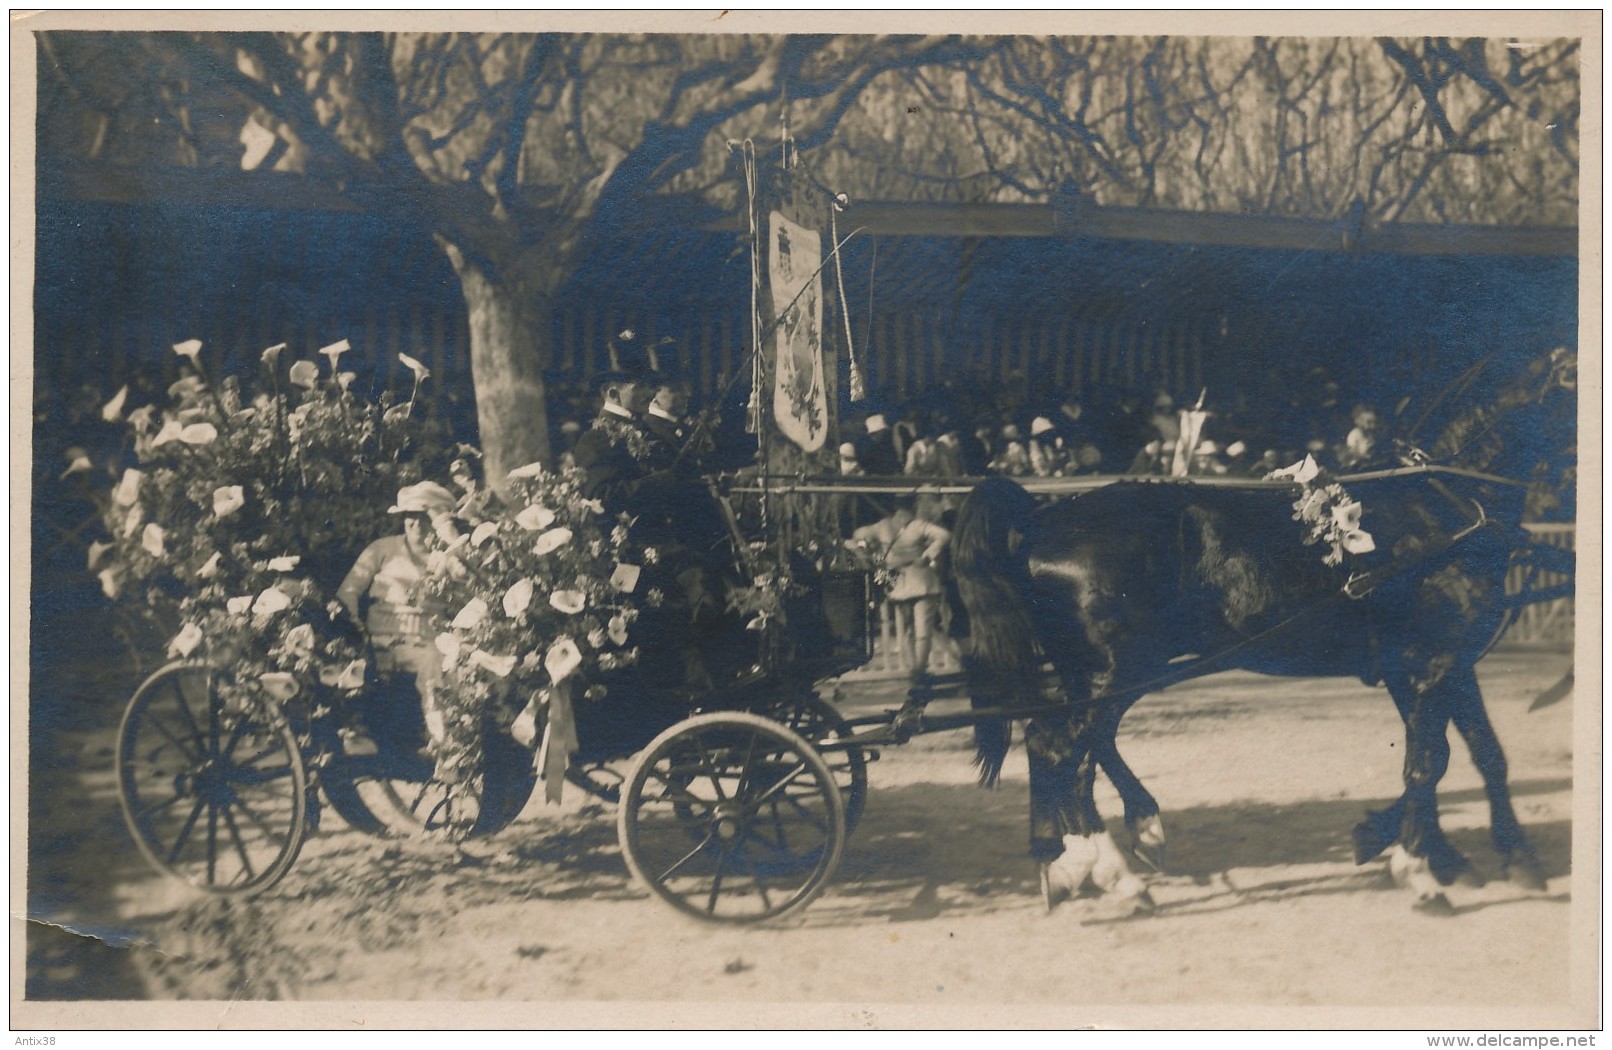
[1525, 422]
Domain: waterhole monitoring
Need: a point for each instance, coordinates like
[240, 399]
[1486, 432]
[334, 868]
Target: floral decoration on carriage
[242, 510]
[531, 610]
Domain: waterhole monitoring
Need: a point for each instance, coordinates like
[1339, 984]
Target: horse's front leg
[1472, 721]
[1141, 809]
[1422, 849]
[1068, 838]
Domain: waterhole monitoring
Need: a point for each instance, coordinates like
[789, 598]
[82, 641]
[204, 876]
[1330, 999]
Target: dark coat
[615, 477]
[877, 454]
[666, 440]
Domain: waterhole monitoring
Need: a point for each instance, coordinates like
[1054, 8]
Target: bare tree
[1433, 130]
[506, 147]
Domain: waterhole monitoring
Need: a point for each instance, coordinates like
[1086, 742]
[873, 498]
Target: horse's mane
[1481, 435]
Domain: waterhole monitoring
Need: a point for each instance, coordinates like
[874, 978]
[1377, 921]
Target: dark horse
[1141, 584]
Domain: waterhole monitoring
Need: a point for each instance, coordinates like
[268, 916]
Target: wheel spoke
[679, 792]
[183, 743]
[212, 842]
[783, 783]
[808, 814]
[257, 821]
[716, 882]
[240, 847]
[761, 883]
[690, 855]
[709, 770]
[184, 832]
[184, 706]
[151, 808]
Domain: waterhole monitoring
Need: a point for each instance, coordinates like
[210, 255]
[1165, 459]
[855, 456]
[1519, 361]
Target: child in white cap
[377, 590]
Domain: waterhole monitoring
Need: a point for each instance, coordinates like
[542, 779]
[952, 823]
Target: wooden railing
[1544, 624]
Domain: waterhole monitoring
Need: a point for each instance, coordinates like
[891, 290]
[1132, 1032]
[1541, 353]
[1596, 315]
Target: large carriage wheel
[730, 817]
[817, 720]
[214, 790]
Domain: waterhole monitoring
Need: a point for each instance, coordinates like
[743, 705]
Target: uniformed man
[615, 452]
[671, 511]
[666, 419]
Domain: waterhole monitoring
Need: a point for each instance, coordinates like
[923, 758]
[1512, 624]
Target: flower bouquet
[1331, 513]
[532, 608]
[240, 514]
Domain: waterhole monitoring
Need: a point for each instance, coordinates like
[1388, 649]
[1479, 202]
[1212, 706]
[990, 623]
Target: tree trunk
[511, 327]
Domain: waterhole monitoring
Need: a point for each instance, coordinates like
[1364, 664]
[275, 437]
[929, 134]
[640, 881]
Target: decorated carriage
[735, 797]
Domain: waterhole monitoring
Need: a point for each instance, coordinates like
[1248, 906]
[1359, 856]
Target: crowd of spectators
[972, 430]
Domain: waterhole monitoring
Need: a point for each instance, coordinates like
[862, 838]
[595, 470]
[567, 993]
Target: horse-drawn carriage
[738, 803]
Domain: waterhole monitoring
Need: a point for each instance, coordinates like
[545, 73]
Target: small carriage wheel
[817, 720]
[214, 791]
[731, 817]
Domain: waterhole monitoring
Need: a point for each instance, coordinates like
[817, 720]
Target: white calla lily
[562, 658]
[535, 517]
[568, 601]
[209, 568]
[128, 488]
[279, 685]
[227, 499]
[518, 598]
[474, 611]
[112, 411]
[199, 434]
[483, 532]
[239, 606]
[190, 349]
[151, 540]
[552, 540]
[498, 665]
[271, 601]
[185, 642]
[284, 563]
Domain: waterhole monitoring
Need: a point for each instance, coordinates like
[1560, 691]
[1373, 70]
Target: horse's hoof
[1437, 905]
[1525, 874]
[1370, 838]
[1142, 904]
[1148, 844]
[1055, 887]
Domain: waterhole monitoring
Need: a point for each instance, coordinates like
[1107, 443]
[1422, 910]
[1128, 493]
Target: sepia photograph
[765, 520]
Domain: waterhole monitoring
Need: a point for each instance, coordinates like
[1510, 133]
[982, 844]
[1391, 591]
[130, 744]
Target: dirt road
[935, 907]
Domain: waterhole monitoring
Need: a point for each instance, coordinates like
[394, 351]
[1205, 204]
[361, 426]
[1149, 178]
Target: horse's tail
[1002, 660]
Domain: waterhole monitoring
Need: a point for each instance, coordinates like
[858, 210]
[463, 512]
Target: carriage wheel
[214, 792]
[816, 720]
[399, 795]
[731, 817]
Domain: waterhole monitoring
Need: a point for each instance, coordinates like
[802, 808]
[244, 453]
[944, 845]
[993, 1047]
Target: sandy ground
[935, 906]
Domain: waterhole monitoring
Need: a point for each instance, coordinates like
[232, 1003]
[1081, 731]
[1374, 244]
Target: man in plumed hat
[632, 471]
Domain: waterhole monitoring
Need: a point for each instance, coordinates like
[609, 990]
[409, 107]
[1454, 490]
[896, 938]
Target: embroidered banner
[800, 396]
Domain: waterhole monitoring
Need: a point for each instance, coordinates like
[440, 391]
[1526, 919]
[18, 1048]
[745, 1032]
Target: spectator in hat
[1046, 449]
[1014, 459]
[378, 593]
[877, 450]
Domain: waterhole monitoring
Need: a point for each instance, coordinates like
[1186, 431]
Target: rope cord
[858, 390]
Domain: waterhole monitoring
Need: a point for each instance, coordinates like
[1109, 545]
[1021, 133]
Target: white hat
[425, 498]
[1208, 448]
[876, 423]
[1010, 432]
[1040, 425]
[847, 451]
